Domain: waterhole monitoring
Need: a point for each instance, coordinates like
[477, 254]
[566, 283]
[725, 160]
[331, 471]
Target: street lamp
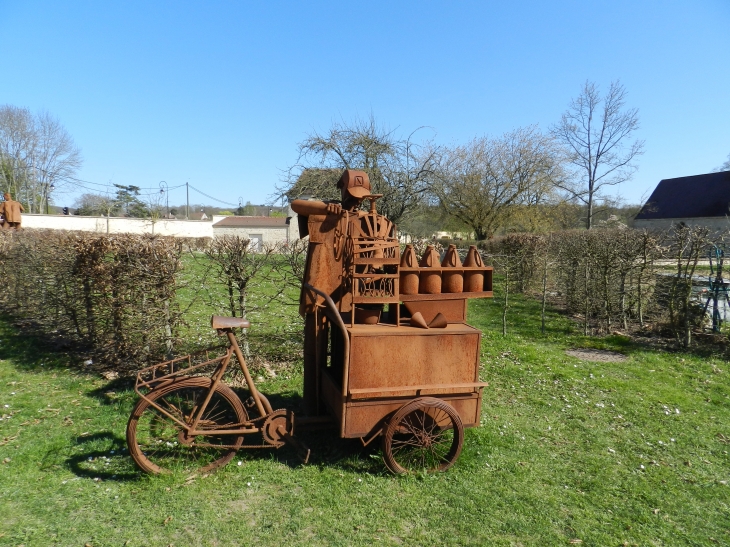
[163, 190]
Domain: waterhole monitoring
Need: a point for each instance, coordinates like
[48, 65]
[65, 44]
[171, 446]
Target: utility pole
[187, 203]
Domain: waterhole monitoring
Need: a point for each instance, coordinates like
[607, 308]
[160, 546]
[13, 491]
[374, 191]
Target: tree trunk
[589, 218]
[506, 301]
[623, 301]
[587, 303]
[231, 301]
[544, 297]
[168, 330]
[544, 284]
[606, 299]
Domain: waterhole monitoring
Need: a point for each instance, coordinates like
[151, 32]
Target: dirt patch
[601, 355]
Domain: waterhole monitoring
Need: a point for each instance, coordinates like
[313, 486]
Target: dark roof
[257, 222]
[689, 197]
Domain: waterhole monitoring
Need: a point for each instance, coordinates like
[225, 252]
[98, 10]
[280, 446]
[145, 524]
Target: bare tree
[17, 144]
[398, 168]
[482, 182]
[38, 155]
[56, 158]
[96, 205]
[289, 266]
[237, 265]
[725, 166]
[594, 131]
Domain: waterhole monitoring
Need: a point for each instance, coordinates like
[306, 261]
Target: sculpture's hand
[334, 208]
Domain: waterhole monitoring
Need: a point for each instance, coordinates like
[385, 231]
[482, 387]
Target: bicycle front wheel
[159, 444]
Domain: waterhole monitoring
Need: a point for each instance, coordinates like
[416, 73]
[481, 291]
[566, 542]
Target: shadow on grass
[27, 350]
[102, 456]
[107, 394]
[327, 448]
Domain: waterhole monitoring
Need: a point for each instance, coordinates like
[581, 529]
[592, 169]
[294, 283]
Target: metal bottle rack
[373, 261]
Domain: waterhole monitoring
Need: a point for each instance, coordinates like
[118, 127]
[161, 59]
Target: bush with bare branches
[112, 295]
[611, 278]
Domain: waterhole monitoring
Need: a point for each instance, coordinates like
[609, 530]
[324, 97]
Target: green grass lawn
[275, 332]
[569, 452]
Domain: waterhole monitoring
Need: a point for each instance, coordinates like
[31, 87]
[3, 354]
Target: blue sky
[220, 93]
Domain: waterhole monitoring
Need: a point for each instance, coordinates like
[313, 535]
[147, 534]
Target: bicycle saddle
[220, 322]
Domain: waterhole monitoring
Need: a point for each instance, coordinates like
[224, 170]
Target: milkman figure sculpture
[10, 211]
[327, 224]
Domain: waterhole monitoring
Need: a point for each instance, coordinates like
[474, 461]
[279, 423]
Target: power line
[77, 181]
[108, 187]
[211, 197]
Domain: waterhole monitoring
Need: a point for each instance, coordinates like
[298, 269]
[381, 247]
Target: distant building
[260, 230]
[699, 200]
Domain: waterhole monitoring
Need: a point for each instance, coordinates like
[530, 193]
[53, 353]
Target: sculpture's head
[6, 196]
[355, 185]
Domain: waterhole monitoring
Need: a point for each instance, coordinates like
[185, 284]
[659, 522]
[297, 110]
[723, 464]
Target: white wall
[177, 228]
[114, 225]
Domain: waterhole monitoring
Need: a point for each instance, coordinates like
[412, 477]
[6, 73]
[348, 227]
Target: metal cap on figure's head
[356, 183]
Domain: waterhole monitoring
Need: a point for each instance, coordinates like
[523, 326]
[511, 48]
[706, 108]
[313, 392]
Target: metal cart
[408, 374]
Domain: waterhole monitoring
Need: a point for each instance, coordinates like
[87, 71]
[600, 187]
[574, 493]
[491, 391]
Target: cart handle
[345, 336]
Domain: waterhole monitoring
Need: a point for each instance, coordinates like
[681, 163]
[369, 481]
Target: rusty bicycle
[187, 418]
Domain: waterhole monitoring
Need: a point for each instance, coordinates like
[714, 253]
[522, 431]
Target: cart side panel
[469, 409]
[415, 360]
[363, 418]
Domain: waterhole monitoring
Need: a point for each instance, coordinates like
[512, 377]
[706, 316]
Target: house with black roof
[699, 200]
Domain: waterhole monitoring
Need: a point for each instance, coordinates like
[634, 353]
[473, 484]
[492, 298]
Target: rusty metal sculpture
[387, 354]
[10, 213]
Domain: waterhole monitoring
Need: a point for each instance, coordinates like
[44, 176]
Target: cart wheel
[159, 445]
[425, 434]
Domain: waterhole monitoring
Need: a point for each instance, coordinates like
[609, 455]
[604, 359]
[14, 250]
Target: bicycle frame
[261, 402]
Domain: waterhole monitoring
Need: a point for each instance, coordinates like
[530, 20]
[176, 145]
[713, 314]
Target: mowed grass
[569, 452]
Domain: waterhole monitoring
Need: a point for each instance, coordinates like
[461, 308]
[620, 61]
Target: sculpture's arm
[305, 207]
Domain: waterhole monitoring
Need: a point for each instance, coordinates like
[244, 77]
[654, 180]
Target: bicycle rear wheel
[158, 444]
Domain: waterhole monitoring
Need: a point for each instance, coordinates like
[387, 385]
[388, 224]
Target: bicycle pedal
[250, 402]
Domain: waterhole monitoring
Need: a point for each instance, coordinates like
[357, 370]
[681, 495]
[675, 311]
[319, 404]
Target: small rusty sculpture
[387, 354]
[10, 212]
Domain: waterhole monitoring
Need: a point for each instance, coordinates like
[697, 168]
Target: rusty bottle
[430, 281]
[473, 279]
[452, 280]
[409, 280]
